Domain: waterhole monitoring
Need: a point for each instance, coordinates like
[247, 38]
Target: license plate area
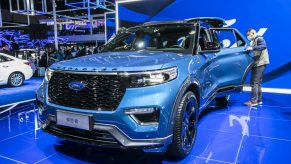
[75, 120]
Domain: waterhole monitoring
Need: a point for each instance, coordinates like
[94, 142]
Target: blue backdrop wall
[272, 18]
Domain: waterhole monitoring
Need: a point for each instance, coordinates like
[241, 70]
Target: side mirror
[211, 46]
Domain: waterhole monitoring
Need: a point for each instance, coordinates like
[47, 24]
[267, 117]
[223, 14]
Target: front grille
[101, 92]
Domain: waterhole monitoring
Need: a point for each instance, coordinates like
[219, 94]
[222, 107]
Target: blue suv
[148, 86]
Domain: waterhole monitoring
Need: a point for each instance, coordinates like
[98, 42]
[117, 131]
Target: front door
[4, 65]
[207, 53]
[232, 58]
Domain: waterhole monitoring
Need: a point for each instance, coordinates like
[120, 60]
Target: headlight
[48, 74]
[149, 78]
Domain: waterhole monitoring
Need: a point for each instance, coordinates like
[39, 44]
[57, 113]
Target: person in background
[261, 59]
[90, 50]
[15, 47]
[86, 50]
[95, 51]
[61, 54]
[67, 52]
[31, 62]
[75, 49]
[73, 52]
[43, 59]
[6, 50]
[81, 52]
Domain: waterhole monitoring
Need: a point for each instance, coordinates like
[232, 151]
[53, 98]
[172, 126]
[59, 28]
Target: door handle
[5, 66]
[249, 53]
[246, 51]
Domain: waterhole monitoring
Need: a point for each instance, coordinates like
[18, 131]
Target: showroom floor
[27, 91]
[236, 134]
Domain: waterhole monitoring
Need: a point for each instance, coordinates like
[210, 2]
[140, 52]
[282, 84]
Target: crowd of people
[48, 56]
[70, 52]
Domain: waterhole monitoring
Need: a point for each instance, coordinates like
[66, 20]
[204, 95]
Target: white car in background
[14, 71]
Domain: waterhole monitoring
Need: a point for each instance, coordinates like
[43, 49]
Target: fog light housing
[43, 125]
[48, 74]
[40, 106]
[144, 116]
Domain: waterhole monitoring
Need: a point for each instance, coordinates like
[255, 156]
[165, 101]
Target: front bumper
[104, 135]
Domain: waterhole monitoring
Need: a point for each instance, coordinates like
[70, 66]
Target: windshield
[170, 39]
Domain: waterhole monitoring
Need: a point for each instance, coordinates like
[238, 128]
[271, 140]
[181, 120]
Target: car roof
[212, 21]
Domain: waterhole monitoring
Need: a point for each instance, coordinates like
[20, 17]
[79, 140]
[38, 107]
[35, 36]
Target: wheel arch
[196, 90]
[246, 73]
[188, 85]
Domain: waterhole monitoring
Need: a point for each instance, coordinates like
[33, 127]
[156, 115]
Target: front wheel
[185, 126]
[16, 79]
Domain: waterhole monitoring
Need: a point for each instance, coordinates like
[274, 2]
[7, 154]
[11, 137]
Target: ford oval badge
[76, 86]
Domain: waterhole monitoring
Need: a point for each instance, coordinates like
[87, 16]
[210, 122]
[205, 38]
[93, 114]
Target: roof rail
[163, 22]
[213, 21]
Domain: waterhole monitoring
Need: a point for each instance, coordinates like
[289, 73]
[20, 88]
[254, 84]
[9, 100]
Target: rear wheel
[16, 79]
[185, 126]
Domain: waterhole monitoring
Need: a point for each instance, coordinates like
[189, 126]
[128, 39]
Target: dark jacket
[260, 51]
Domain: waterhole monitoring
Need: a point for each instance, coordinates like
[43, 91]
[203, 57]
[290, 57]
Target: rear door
[232, 58]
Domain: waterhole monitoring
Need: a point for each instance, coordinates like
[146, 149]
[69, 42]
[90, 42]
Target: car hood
[120, 61]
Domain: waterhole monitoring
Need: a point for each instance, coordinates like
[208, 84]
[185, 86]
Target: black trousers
[256, 82]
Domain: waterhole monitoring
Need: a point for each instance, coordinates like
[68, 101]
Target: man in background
[261, 59]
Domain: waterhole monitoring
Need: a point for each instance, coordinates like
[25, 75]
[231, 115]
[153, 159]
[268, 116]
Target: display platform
[236, 134]
[26, 92]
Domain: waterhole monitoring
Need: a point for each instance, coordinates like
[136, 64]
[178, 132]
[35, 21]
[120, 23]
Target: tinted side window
[208, 41]
[239, 41]
[228, 38]
[4, 59]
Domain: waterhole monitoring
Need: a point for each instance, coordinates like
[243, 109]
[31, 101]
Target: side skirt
[221, 92]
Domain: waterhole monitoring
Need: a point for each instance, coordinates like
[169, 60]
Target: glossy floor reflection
[10, 95]
[235, 134]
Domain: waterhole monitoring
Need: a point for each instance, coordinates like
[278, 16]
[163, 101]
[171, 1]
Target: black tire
[178, 147]
[15, 79]
[222, 101]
